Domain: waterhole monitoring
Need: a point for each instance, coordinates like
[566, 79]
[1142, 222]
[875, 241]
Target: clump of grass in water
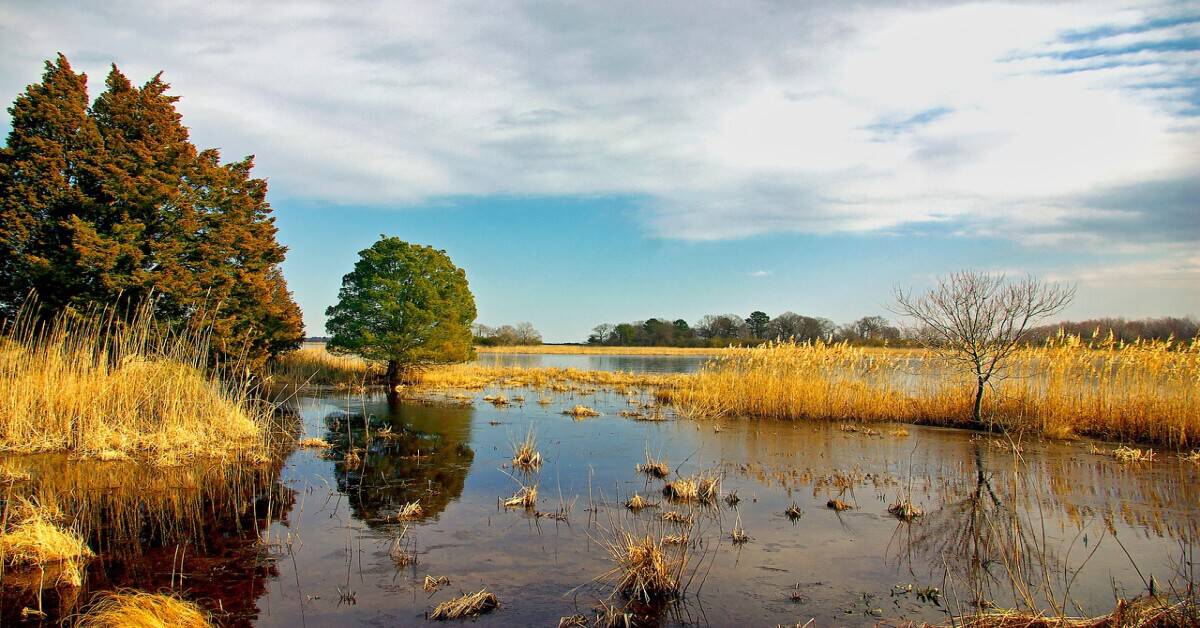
[411, 510]
[676, 517]
[637, 502]
[525, 453]
[432, 584]
[701, 487]
[525, 497]
[469, 605]
[738, 534]
[654, 468]
[838, 505]
[905, 510]
[313, 443]
[137, 609]
[31, 540]
[581, 411]
[96, 386]
[1132, 454]
[793, 512]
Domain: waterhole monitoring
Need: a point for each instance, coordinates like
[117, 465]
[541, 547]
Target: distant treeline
[506, 335]
[719, 330]
[1126, 330]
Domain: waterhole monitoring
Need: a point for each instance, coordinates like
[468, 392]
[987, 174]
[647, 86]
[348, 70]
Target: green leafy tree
[404, 304]
[758, 323]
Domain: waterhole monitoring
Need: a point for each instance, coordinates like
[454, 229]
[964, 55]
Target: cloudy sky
[609, 161]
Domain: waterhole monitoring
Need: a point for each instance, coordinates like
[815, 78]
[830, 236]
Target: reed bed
[477, 376]
[95, 386]
[1142, 391]
[137, 609]
[316, 366]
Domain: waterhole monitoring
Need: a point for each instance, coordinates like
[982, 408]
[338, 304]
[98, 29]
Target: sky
[612, 161]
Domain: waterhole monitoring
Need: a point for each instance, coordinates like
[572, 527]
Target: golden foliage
[31, 540]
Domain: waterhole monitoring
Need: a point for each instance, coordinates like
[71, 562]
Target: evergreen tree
[114, 205]
[48, 169]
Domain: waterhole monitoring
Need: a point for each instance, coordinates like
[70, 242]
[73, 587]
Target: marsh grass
[316, 366]
[645, 567]
[525, 453]
[96, 386]
[702, 487]
[30, 539]
[468, 605]
[137, 609]
[653, 467]
[580, 411]
[1140, 391]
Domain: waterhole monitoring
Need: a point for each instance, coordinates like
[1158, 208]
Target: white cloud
[758, 273]
[730, 120]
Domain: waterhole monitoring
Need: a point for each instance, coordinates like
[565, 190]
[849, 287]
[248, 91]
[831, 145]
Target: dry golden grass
[316, 366]
[411, 510]
[525, 453]
[703, 487]
[136, 609]
[1142, 391]
[599, 350]
[525, 497]
[95, 387]
[469, 605]
[432, 584]
[313, 443]
[477, 376]
[1133, 454]
[1144, 612]
[580, 411]
[646, 568]
[654, 468]
[637, 502]
[30, 539]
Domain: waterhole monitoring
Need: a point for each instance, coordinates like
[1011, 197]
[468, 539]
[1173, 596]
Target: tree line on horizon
[107, 203]
[521, 334]
[720, 330]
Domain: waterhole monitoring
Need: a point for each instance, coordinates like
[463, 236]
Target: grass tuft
[137, 609]
[468, 605]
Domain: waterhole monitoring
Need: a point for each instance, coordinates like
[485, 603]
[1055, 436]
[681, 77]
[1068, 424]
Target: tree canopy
[111, 204]
[405, 304]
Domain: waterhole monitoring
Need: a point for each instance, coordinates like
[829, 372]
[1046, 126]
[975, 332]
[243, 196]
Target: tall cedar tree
[114, 205]
[405, 304]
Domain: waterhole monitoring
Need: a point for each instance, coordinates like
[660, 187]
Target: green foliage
[405, 304]
[758, 323]
[113, 204]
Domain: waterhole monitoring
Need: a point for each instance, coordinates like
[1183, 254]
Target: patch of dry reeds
[468, 605]
[30, 540]
[138, 609]
[1066, 386]
[94, 385]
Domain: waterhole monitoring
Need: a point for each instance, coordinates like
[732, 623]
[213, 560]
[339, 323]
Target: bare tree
[977, 320]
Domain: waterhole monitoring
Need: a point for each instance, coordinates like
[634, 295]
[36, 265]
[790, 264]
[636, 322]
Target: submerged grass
[137, 609]
[96, 386]
[1141, 391]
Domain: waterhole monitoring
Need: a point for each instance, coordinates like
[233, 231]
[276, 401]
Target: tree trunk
[393, 375]
[977, 414]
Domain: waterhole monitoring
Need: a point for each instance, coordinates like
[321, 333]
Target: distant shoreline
[600, 350]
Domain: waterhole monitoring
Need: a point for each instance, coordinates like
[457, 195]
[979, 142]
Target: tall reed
[100, 385]
[1141, 391]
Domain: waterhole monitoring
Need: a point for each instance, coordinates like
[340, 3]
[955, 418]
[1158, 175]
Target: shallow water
[330, 527]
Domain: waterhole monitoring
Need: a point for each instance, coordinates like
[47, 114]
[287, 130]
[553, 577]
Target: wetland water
[331, 526]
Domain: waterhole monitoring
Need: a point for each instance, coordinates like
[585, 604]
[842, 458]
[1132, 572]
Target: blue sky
[600, 162]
